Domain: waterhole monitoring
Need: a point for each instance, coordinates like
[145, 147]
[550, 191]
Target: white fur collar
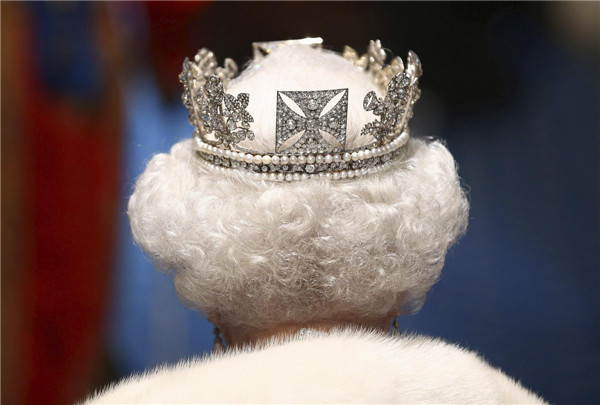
[341, 367]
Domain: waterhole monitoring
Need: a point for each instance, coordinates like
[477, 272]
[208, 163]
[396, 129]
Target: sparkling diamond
[370, 101]
[290, 124]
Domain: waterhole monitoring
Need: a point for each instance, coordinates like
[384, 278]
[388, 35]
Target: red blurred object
[170, 39]
[73, 191]
[60, 258]
[71, 180]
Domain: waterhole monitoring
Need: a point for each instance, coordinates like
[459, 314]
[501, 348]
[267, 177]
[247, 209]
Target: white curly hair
[259, 253]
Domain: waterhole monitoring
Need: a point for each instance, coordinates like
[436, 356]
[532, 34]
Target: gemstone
[370, 101]
[290, 124]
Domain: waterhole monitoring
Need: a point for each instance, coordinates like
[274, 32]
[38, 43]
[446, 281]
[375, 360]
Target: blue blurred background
[90, 93]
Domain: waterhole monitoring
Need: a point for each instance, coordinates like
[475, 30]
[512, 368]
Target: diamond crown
[310, 136]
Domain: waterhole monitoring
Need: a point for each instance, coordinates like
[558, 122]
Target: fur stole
[346, 366]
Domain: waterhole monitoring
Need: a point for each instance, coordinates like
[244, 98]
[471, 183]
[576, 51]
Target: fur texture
[260, 253]
[343, 367]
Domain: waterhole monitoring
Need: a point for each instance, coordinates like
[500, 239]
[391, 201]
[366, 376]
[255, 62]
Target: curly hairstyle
[260, 253]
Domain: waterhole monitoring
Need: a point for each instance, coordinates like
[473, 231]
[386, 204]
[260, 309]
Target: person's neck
[244, 335]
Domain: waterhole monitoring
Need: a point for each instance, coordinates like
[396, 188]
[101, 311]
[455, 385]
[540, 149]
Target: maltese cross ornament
[311, 121]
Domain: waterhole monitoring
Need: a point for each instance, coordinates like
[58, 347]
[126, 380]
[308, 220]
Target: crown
[310, 135]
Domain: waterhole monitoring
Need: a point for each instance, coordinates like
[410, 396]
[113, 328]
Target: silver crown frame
[311, 125]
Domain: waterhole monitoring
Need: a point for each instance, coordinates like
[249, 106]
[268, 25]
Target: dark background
[90, 93]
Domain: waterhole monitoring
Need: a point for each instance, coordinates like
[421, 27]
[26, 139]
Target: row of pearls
[338, 175]
[303, 159]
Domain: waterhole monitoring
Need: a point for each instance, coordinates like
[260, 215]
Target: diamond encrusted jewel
[311, 121]
[394, 109]
[311, 126]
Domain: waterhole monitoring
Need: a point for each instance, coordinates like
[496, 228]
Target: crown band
[310, 137]
[292, 167]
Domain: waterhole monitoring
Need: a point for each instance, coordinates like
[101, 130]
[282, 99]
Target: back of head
[258, 253]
